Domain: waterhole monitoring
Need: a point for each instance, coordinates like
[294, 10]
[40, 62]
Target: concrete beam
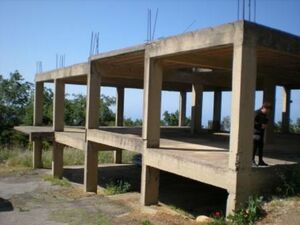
[216, 124]
[93, 99]
[242, 120]
[196, 111]
[70, 71]
[149, 185]
[182, 109]
[204, 38]
[59, 105]
[152, 102]
[286, 109]
[57, 160]
[91, 167]
[269, 95]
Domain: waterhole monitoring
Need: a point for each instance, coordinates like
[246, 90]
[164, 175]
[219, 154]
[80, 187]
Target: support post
[286, 109]
[149, 185]
[91, 167]
[37, 145]
[196, 111]
[182, 109]
[119, 120]
[269, 96]
[242, 122]
[120, 106]
[152, 102]
[217, 111]
[93, 99]
[57, 160]
[59, 105]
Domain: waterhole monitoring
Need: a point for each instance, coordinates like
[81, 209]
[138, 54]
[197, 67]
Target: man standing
[260, 124]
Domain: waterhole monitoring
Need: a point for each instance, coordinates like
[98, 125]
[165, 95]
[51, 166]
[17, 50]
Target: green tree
[15, 96]
[170, 119]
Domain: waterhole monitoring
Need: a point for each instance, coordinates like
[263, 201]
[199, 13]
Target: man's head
[266, 107]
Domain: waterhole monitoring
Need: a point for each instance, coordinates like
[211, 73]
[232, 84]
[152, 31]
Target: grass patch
[55, 181]
[146, 222]
[79, 217]
[22, 157]
[117, 186]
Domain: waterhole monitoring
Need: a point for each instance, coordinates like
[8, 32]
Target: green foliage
[170, 119]
[15, 94]
[248, 215]
[15, 157]
[75, 110]
[225, 124]
[133, 123]
[146, 222]
[117, 186]
[289, 182]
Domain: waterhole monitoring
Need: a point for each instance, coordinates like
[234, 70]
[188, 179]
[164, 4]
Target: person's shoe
[262, 163]
[254, 163]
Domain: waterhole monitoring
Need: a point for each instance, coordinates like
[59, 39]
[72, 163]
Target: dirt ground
[27, 199]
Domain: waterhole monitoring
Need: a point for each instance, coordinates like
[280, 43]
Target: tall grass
[18, 156]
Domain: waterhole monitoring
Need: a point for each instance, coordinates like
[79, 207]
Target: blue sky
[35, 30]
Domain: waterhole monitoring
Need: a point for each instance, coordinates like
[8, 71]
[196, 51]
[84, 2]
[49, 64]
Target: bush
[289, 182]
[117, 186]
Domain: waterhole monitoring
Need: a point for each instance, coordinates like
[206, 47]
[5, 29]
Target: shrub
[117, 186]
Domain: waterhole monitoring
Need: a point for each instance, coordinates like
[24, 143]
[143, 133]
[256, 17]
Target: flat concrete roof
[278, 58]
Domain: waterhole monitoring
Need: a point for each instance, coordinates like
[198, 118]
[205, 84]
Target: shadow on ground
[5, 205]
[181, 193]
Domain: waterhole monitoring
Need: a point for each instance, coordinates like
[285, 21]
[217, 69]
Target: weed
[55, 181]
[146, 222]
[250, 214]
[289, 182]
[118, 186]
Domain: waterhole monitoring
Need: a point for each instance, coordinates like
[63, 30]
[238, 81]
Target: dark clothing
[259, 133]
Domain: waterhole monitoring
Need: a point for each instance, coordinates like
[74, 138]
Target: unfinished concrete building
[241, 57]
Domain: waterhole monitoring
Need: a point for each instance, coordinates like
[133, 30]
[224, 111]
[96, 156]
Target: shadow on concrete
[182, 193]
[5, 205]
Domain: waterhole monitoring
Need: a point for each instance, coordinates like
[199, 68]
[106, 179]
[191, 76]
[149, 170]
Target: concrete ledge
[199, 168]
[119, 141]
[37, 132]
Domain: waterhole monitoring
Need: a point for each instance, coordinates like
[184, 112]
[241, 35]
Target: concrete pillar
[37, 145]
[91, 167]
[120, 106]
[217, 111]
[57, 160]
[269, 94]
[152, 102]
[119, 120]
[242, 122]
[59, 105]
[149, 185]
[286, 109]
[182, 109]
[196, 111]
[93, 99]
[38, 104]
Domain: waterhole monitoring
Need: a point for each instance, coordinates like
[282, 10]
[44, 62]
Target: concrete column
[149, 185]
[216, 125]
[38, 104]
[242, 122]
[286, 109]
[182, 109]
[93, 100]
[196, 111]
[37, 145]
[269, 94]
[152, 102]
[119, 120]
[57, 160]
[59, 105]
[91, 167]
[120, 106]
